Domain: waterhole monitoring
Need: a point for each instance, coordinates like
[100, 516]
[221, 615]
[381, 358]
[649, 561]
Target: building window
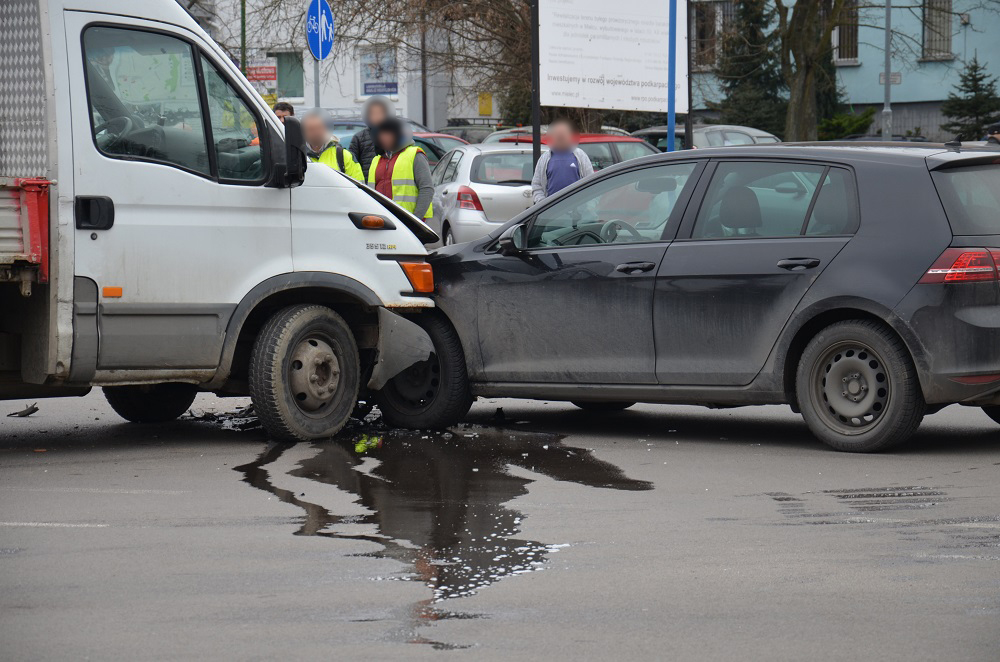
[709, 21]
[937, 30]
[845, 35]
[291, 83]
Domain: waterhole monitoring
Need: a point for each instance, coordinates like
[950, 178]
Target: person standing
[364, 144]
[284, 109]
[563, 164]
[324, 148]
[993, 134]
[400, 170]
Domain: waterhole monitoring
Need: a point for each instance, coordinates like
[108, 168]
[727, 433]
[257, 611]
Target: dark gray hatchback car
[856, 283]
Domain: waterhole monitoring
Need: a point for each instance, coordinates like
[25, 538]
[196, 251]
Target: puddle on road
[435, 502]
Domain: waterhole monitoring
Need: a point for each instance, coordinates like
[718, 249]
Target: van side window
[143, 94]
[234, 129]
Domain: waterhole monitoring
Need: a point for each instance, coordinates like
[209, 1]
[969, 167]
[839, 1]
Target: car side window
[634, 206]
[752, 199]
[737, 138]
[438, 173]
[629, 150]
[144, 97]
[599, 153]
[234, 129]
[451, 172]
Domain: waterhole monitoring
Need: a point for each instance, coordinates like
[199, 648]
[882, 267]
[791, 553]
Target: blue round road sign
[319, 28]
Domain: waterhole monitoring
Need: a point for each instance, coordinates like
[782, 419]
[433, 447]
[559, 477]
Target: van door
[173, 222]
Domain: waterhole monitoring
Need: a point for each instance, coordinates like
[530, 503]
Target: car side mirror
[511, 242]
[295, 153]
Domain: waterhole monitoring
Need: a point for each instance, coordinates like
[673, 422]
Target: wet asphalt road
[656, 533]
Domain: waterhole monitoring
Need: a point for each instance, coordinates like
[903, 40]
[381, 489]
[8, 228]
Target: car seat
[740, 212]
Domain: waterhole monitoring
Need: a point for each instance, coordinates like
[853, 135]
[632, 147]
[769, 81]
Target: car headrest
[740, 209]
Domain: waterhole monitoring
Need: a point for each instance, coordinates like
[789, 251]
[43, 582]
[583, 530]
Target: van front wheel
[304, 373]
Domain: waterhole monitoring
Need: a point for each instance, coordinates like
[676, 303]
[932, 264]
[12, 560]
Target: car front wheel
[433, 393]
[857, 387]
[304, 373]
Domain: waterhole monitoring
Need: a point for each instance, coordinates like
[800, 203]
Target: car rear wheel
[603, 406]
[857, 387]
[152, 403]
[434, 393]
[304, 373]
[449, 237]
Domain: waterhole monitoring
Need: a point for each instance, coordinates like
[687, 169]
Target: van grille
[23, 136]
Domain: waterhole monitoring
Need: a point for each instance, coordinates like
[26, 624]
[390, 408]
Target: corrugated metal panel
[11, 235]
[23, 140]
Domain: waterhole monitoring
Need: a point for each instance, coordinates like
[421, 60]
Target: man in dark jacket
[363, 145]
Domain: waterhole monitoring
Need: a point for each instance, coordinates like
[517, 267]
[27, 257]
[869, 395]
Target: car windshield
[449, 143]
[510, 169]
[971, 198]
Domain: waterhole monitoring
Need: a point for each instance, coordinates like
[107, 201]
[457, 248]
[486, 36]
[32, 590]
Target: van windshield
[971, 198]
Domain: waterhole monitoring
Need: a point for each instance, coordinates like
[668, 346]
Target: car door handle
[635, 267]
[798, 263]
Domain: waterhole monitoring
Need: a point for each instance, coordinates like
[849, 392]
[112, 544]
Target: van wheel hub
[313, 374]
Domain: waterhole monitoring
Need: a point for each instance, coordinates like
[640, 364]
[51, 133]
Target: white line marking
[90, 490]
[56, 525]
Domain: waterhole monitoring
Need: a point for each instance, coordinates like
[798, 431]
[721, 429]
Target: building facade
[932, 40]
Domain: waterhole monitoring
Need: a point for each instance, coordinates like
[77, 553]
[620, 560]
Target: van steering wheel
[112, 137]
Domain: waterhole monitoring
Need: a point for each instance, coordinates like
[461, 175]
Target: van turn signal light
[420, 274]
[111, 292]
[372, 222]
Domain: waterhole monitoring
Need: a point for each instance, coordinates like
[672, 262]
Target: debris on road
[24, 413]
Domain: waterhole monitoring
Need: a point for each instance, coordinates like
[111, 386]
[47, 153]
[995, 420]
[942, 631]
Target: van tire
[152, 403]
[857, 387]
[403, 400]
[304, 373]
[993, 411]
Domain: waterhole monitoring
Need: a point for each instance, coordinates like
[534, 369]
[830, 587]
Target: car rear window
[510, 169]
[971, 198]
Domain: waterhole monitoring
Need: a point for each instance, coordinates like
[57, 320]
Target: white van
[160, 233]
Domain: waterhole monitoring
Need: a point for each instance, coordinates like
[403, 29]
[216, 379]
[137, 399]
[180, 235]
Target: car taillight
[467, 199]
[963, 265]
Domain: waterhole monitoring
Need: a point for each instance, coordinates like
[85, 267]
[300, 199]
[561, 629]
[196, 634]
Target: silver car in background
[477, 188]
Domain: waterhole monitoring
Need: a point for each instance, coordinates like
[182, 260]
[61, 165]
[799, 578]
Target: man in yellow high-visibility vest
[400, 170]
[325, 149]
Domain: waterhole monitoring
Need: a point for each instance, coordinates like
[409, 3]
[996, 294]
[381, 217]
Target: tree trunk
[801, 120]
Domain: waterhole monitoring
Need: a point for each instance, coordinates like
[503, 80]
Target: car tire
[449, 237]
[603, 406]
[857, 387]
[304, 373]
[993, 411]
[153, 403]
[432, 394]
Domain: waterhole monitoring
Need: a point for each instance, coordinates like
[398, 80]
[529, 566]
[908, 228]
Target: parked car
[603, 149]
[432, 150]
[709, 135]
[471, 133]
[857, 284]
[501, 134]
[874, 137]
[443, 140]
[478, 188]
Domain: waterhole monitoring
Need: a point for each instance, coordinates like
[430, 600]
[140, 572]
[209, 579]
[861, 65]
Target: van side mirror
[511, 242]
[295, 153]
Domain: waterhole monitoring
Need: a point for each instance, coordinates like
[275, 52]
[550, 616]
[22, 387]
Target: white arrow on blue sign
[319, 29]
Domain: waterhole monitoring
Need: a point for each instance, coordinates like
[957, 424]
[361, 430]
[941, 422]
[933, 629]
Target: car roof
[584, 138]
[701, 128]
[435, 134]
[504, 147]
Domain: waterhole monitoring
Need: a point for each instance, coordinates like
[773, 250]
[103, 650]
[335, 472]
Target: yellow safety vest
[404, 184]
[351, 167]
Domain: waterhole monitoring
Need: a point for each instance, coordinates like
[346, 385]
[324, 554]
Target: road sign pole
[319, 37]
[536, 91]
[672, 76]
[316, 82]
[689, 118]
[887, 107]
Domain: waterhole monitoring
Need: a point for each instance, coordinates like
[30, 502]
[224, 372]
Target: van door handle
[635, 267]
[94, 212]
[798, 263]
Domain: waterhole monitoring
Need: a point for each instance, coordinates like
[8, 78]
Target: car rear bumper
[468, 225]
[955, 340]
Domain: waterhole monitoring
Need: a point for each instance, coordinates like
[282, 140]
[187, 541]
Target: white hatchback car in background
[477, 188]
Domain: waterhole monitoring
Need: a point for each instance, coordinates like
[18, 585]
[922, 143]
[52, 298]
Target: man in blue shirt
[563, 164]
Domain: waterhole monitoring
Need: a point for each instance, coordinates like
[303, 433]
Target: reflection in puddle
[434, 503]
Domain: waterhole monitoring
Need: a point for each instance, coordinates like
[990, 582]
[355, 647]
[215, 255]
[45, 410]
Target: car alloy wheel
[851, 387]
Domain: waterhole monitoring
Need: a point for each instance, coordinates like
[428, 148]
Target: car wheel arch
[814, 320]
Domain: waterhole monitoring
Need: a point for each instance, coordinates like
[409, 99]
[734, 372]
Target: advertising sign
[378, 71]
[263, 74]
[595, 54]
